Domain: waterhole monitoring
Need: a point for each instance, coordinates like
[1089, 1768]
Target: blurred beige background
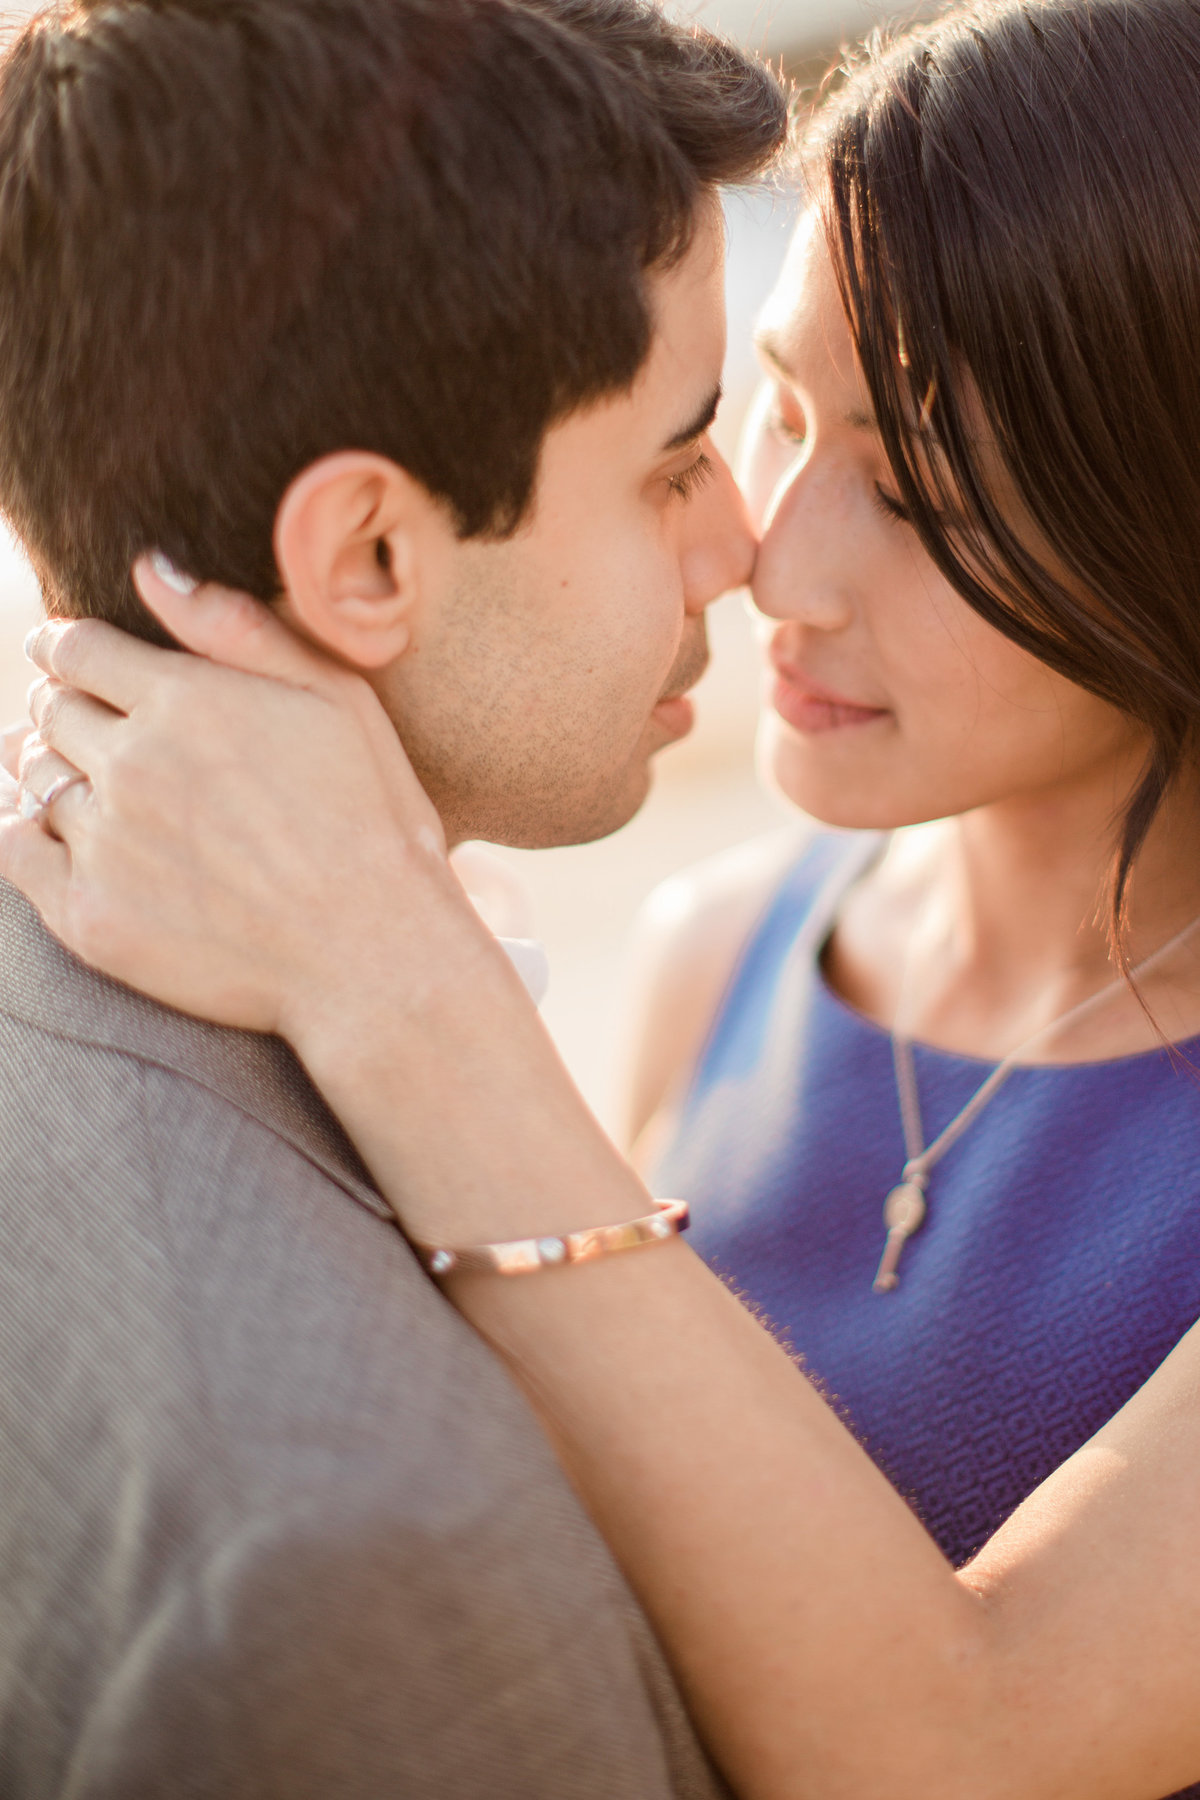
[706, 796]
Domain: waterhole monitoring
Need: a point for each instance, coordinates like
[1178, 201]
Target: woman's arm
[824, 1644]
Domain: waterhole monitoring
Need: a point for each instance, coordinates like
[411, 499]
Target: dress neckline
[820, 926]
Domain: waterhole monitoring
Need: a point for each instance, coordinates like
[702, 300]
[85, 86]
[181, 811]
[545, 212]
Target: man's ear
[360, 546]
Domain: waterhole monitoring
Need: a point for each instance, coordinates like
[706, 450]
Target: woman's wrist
[402, 952]
[439, 1067]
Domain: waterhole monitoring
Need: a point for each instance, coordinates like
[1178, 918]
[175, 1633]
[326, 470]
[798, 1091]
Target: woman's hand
[251, 844]
[12, 742]
[249, 835]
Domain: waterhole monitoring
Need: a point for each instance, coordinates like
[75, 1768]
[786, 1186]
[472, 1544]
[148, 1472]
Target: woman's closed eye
[791, 431]
[890, 506]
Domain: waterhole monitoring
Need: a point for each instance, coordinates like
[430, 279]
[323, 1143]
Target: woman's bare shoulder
[688, 938]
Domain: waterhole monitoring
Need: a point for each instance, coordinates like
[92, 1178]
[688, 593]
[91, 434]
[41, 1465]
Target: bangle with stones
[525, 1256]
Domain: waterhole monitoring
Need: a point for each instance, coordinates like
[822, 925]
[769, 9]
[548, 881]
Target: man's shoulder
[192, 1254]
[87, 1044]
[177, 1196]
[264, 1498]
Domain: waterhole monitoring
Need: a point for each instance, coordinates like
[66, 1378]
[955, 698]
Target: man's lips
[810, 707]
[676, 713]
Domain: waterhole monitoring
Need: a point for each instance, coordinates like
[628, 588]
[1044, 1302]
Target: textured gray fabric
[272, 1521]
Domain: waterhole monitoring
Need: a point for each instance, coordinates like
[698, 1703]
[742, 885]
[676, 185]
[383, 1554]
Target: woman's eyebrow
[770, 348]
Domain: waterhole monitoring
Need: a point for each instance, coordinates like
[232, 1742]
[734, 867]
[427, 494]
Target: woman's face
[889, 700]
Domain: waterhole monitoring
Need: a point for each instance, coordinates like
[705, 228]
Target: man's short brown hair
[237, 235]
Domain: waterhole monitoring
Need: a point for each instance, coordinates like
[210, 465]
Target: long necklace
[905, 1207]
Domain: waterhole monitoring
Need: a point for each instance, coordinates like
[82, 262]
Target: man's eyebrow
[771, 350]
[697, 426]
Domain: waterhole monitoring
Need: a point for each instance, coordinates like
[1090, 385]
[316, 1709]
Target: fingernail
[31, 638]
[172, 577]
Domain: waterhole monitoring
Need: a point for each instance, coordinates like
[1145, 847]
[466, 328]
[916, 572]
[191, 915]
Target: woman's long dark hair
[1014, 209]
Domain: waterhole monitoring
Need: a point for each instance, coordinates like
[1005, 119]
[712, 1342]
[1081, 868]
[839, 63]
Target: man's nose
[720, 543]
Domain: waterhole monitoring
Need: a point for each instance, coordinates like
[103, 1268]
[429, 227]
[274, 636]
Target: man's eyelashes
[689, 481]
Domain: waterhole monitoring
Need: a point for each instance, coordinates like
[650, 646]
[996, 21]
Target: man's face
[551, 666]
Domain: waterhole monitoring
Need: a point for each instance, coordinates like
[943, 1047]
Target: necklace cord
[922, 1157]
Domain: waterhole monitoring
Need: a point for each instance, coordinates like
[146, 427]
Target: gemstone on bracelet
[441, 1262]
[552, 1250]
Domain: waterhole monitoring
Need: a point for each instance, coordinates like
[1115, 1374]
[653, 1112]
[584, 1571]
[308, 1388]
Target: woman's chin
[824, 783]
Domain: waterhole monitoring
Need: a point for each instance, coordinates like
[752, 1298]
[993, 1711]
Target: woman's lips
[812, 709]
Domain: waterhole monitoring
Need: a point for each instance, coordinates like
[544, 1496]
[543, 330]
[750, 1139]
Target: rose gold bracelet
[524, 1256]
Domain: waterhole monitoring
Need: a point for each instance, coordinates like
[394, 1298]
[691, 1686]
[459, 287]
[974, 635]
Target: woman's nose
[802, 570]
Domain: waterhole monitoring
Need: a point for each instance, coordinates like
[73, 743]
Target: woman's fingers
[99, 659]
[39, 865]
[11, 739]
[229, 814]
[79, 728]
[43, 769]
[53, 791]
[228, 627]
[215, 623]
[223, 626]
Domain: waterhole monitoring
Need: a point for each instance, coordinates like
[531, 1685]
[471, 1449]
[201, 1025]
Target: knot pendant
[903, 1214]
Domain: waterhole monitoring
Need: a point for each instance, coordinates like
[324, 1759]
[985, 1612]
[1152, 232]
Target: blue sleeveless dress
[1057, 1267]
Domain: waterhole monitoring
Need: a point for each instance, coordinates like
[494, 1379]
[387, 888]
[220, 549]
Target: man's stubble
[517, 733]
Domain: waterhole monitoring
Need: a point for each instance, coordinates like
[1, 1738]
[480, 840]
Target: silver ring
[36, 806]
